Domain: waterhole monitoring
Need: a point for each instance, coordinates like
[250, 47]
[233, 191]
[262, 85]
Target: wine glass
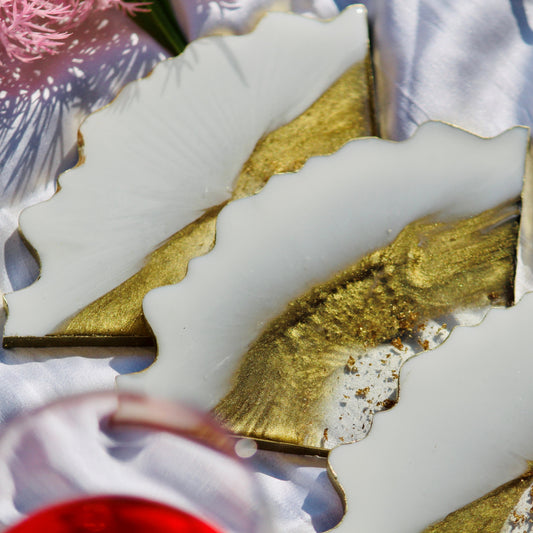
[108, 462]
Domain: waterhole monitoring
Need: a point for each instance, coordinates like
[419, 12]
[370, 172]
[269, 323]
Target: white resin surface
[168, 148]
[462, 427]
[303, 228]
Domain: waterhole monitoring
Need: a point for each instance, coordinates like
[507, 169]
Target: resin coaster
[461, 434]
[159, 163]
[293, 329]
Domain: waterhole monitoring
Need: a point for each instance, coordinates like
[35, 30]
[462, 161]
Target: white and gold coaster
[159, 163]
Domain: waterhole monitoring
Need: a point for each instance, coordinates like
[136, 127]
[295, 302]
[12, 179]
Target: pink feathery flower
[30, 29]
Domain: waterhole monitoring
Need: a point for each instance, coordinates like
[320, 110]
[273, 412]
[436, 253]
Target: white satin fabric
[469, 63]
[203, 17]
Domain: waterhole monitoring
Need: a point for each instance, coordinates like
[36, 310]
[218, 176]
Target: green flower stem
[161, 24]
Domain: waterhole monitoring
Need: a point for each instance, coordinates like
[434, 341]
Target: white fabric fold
[467, 63]
[202, 17]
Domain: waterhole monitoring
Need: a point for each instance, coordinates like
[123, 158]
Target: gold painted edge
[55, 341]
[337, 486]
[280, 446]
[524, 255]
[372, 87]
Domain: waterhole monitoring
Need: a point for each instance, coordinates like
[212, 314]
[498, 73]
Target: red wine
[112, 514]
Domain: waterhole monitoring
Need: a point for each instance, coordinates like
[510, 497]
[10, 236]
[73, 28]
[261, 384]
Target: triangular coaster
[61, 308]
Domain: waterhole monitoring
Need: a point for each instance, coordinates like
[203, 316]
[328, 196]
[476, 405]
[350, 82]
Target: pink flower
[30, 29]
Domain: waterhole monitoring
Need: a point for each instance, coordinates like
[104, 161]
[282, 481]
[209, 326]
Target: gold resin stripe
[344, 112]
[281, 388]
[489, 513]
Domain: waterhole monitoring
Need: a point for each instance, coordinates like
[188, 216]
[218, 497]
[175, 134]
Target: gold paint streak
[487, 514]
[432, 268]
[341, 114]
[119, 312]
